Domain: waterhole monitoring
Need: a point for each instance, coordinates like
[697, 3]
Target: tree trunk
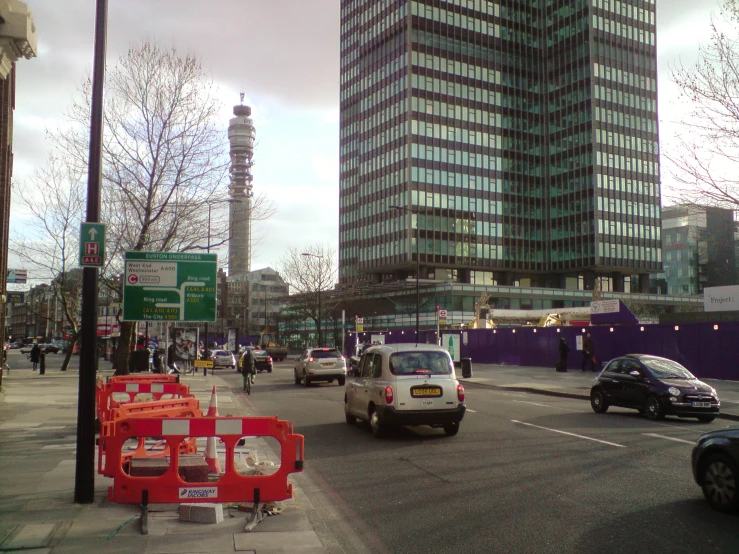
[68, 354]
[121, 355]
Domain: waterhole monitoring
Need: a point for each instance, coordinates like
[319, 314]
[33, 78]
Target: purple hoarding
[708, 350]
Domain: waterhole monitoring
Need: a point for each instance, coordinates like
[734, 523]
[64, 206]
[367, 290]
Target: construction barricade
[146, 378]
[174, 484]
[178, 407]
[106, 402]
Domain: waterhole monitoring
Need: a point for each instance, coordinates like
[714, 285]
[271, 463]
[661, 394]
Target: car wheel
[378, 429]
[269, 370]
[719, 475]
[598, 401]
[653, 409]
[706, 418]
[451, 429]
[297, 379]
[306, 380]
[342, 381]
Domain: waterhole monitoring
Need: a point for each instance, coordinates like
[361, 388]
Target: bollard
[466, 368]
[42, 363]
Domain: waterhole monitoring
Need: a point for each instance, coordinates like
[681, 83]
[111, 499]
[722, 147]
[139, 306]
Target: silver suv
[405, 384]
[320, 364]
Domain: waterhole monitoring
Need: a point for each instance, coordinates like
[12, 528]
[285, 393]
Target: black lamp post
[320, 285]
[418, 272]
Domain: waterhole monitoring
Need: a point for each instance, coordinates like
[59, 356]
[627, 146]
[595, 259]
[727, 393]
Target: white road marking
[473, 411]
[545, 405]
[570, 434]
[691, 443]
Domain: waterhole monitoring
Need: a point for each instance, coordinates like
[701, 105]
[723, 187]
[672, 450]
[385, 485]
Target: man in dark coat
[35, 355]
[588, 352]
[563, 351]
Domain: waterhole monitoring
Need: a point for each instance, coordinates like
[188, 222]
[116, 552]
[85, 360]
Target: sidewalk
[38, 421]
[574, 383]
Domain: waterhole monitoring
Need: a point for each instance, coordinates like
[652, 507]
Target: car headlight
[674, 391]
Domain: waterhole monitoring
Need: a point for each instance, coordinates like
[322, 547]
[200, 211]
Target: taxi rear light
[460, 393]
[269, 359]
[310, 359]
[342, 358]
[389, 394]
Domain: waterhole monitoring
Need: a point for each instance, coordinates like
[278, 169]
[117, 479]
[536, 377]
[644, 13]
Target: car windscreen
[259, 353]
[420, 363]
[666, 369]
[317, 354]
[221, 353]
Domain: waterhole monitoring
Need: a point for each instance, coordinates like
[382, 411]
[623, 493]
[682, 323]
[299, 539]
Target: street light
[320, 285]
[418, 271]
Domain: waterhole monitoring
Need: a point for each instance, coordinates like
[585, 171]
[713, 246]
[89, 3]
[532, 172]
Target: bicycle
[248, 382]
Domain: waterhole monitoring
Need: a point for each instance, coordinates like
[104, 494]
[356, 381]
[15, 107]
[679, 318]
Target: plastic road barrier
[146, 378]
[230, 487]
[178, 407]
[105, 402]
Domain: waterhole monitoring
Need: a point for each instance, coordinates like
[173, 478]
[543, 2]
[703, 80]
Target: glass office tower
[509, 142]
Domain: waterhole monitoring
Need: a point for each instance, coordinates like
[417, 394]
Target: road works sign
[169, 286]
[92, 244]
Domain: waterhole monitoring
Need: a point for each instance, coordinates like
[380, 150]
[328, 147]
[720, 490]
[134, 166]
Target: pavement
[574, 383]
[38, 420]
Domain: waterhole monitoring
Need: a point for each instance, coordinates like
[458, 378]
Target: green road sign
[169, 286]
[92, 244]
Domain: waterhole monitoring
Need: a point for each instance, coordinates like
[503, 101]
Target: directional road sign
[169, 286]
[92, 244]
[17, 276]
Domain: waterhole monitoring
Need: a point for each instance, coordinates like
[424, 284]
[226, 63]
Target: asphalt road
[526, 473]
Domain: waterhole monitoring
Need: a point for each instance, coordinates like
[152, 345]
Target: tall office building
[508, 142]
[241, 135]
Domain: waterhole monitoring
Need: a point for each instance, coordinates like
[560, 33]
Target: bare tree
[49, 245]
[309, 273]
[164, 161]
[708, 151]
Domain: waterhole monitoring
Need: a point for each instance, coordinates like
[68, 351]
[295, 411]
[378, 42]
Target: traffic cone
[211, 453]
[213, 406]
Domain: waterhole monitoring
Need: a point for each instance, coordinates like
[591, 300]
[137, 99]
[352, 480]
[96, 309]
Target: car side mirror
[635, 373]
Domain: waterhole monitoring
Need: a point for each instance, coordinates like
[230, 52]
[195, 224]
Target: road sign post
[92, 244]
[169, 286]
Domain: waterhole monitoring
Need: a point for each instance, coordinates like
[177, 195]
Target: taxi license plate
[701, 404]
[330, 364]
[426, 392]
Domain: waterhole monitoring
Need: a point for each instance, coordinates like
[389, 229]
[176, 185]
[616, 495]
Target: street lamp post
[418, 272]
[320, 286]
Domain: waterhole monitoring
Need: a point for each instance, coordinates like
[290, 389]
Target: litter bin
[466, 368]
[42, 363]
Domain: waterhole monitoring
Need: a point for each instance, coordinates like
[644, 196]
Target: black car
[655, 386]
[262, 360]
[716, 468]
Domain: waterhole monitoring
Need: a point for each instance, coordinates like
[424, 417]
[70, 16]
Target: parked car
[656, 387]
[223, 358]
[15, 345]
[49, 348]
[320, 364]
[716, 468]
[262, 360]
[26, 349]
[406, 384]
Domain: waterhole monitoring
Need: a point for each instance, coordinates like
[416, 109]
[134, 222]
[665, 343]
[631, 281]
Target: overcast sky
[284, 54]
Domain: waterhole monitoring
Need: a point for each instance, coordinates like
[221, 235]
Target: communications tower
[241, 135]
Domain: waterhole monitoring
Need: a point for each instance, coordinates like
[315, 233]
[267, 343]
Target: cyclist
[248, 369]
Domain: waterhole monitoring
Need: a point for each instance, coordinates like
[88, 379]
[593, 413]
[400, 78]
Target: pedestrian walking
[564, 350]
[588, 352]
[35, 356]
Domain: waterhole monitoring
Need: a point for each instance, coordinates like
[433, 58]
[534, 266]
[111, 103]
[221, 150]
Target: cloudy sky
[284, 55]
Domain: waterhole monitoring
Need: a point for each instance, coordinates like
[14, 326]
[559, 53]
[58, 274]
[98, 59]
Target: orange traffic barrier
[145, 377]
[105, 392]
[178, 407]
[231, 486]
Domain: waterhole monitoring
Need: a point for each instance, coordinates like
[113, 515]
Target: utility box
[466, 368]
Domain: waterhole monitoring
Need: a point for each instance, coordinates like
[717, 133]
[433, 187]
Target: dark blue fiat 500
[656, 387]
